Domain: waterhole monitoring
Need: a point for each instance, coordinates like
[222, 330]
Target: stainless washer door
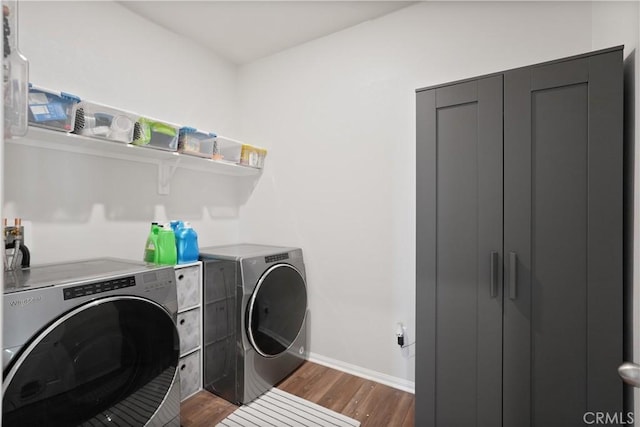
[110, 361]
[276, 310]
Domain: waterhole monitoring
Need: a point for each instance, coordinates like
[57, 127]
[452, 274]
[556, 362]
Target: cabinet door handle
[513, 275]
[493, 286]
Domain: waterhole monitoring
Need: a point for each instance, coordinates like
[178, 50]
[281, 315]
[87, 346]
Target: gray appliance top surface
[68, 272]
[243, 250]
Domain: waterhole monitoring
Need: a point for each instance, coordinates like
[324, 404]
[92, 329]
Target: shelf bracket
[166, 169]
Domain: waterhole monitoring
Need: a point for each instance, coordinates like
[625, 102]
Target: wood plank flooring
[371, 403]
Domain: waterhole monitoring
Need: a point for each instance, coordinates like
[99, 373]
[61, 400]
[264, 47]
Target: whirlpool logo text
[25, 301]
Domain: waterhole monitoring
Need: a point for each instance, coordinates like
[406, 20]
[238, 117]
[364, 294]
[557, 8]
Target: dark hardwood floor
[371, 403]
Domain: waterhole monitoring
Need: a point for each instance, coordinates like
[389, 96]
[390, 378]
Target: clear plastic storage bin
[102, 121]
[50, 109]
[252, 156]
[15, 75]
[227, 150]
[156, 134]
[196, 142]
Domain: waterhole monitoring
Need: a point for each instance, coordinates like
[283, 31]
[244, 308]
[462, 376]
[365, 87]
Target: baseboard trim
[391, 381]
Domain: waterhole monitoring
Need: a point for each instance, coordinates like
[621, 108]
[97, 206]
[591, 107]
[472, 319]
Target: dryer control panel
[278, 257]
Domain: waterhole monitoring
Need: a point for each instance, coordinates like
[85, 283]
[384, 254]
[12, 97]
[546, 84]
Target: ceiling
[243, 31]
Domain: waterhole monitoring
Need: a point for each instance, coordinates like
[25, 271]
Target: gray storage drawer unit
[189, 324]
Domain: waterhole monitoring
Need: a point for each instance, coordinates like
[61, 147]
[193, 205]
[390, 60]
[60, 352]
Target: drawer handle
[180, 277]
[182, 367]
[182, 321]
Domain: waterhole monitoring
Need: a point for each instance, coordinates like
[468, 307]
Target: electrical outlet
[400, 334]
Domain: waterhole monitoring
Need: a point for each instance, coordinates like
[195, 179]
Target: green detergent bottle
[167, 253]
[151, 248]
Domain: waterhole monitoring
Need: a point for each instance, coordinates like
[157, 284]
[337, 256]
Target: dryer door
[108, 362]
[276, 310]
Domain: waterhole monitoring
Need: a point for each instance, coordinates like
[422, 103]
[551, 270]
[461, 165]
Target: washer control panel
[98, 287]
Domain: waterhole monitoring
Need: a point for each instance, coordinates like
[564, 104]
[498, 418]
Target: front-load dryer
[255, 311]
[90, 343]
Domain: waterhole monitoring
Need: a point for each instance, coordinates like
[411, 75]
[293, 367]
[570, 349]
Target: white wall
[79, 206]
[617, 23]
[338, 115]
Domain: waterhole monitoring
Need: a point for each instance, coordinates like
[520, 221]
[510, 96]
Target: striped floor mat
[280, 409]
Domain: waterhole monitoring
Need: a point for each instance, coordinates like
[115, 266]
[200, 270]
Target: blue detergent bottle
[176, 225]
[187, 242]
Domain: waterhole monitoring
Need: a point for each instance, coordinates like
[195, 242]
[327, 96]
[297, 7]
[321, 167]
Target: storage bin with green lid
[156, 134]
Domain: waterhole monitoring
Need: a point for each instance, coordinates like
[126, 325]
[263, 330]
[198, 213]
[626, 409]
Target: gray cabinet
[519, 246]
[221, 328]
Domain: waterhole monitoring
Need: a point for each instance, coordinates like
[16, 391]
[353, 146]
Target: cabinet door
[459, 249]
[563, 241]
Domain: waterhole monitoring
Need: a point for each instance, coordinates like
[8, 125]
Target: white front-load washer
[255, 312]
